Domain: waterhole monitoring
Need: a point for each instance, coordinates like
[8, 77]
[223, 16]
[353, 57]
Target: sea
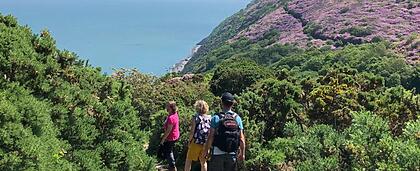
[148, 35]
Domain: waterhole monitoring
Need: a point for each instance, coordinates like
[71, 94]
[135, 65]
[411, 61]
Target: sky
[150, 35]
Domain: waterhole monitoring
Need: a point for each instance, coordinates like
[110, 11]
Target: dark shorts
[224, 162]
[168, 152]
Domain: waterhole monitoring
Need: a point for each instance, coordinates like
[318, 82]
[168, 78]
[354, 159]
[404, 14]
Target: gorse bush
[56, 112]
[367, 144]
[28, 136]
[236, 76]
[358, 31]
[272, 102]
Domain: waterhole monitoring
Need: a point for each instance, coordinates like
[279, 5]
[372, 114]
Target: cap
[227, 97]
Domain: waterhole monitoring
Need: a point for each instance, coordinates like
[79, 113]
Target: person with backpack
[199, 130]
[226, 138]
[171, 134]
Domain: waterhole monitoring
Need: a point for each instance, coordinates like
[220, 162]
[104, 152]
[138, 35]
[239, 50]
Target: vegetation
[231, 27]
[353, 108]
[313, 30]
[56, 112]
[235, 77]
[358, 31]
[366, 144]
[244, 49]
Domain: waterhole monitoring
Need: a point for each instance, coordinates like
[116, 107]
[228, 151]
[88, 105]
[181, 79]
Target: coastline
[179, 66]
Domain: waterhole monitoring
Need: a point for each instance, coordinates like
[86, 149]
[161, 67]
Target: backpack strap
[233, 114]
[196, 122]
[222, 114]
[196, 118]
[227, 113]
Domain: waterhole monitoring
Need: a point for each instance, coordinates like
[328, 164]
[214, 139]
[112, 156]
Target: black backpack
[227, 133]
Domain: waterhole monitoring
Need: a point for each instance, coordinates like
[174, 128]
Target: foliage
[272, 102]
[375, 58]
[263, 52]
[28, 136]
[312, 29]
[367, 144]
[58, 112]
[150, 94]
[235, 76]
[332, 84]
[231, 27]
[358, 31]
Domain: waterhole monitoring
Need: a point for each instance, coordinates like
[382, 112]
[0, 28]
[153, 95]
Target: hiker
[226, 138]
[171, 134]
[199, 130]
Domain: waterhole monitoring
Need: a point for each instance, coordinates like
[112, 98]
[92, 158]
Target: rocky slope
[319, 23]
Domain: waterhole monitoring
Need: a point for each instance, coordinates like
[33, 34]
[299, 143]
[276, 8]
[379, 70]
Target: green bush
[235, 76]
[58, 112]
[312, 29]
[358, 31]
[366, 144]
[272, 102]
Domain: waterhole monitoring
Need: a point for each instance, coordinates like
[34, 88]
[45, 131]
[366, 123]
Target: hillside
[319, 23]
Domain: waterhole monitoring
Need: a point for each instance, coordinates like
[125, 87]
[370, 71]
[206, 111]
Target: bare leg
[187, 165]
[203, 165]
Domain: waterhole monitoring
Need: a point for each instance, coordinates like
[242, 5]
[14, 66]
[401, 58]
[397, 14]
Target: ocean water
[150, 35]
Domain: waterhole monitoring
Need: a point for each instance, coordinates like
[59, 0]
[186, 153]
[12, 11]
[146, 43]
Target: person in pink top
[171, 134]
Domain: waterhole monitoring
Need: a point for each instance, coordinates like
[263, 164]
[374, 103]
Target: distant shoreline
[179, 66]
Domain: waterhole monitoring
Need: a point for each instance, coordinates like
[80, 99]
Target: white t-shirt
[217, 151]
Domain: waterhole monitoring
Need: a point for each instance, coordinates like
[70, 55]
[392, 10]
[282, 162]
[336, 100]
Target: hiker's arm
[192, 128]
[242, 146]
[167, 131]
[208, 143]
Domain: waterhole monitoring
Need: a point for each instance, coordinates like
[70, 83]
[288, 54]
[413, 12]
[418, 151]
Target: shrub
[236, 76]
[272, 102]
[312, 29]
[344, 10]
[358, 31]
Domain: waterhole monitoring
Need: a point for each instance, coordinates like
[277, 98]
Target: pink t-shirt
[173, 120]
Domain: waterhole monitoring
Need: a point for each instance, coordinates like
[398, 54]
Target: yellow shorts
[194, 151]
